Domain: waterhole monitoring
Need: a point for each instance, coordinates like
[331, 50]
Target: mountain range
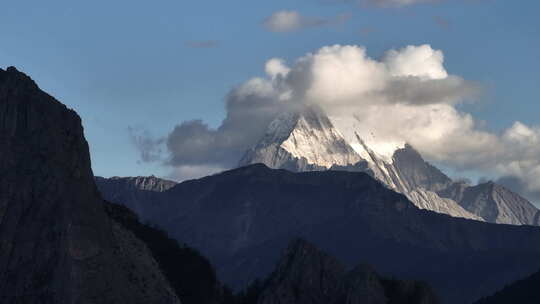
[61, 240]
[309, 140]
[241, 219]
[62, 243]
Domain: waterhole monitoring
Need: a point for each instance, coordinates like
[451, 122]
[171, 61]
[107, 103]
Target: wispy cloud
[390, 3]
[364, 31]
[442, 22]
[148, 146]
[203, 44]
[289, 21]
[397, 3]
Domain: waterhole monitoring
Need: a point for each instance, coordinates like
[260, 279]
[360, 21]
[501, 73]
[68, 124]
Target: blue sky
[124, 64]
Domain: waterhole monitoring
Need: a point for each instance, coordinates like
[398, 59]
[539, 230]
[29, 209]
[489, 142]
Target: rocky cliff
[57, 244]
[135, 192]
[494, 203]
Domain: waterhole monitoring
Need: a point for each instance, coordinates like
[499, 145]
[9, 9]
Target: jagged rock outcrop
[57, 244]
[242, 218]
[306, 275]
[145, 183]
[416, 172]
[135, 192]
[430, 200]
[495, 204]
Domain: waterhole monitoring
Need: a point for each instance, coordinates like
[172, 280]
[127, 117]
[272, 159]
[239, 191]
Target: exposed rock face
[242, 218]
[302, 141]
[145, 183]
[57, 245]
[306, 275]
[497, 204]
[430, 200]
[416, 172]
[135, 192]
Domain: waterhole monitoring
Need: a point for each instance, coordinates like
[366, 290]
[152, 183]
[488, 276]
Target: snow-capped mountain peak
[303, 140]
[308, 140]
[360, 138]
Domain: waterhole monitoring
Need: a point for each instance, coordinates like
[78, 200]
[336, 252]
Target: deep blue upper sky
[123, 64]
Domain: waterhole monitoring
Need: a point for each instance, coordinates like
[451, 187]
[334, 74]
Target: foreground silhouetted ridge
[190, 274]
[57, 244]
[243, 218]
[307, 275]
[524, 291]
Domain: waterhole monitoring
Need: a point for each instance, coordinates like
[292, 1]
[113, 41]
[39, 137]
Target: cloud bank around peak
[405, 96]
[340, 79]
[290, 21]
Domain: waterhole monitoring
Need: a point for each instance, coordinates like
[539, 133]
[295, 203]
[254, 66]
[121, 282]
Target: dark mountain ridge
[307, 275]
[524, 291]
[57, 244]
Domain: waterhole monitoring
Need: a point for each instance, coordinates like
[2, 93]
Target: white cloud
[276, 67]
[288, 21]
[406, 96]
[284, 21]
[345, 76]
[420, 61]
[397, 3]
